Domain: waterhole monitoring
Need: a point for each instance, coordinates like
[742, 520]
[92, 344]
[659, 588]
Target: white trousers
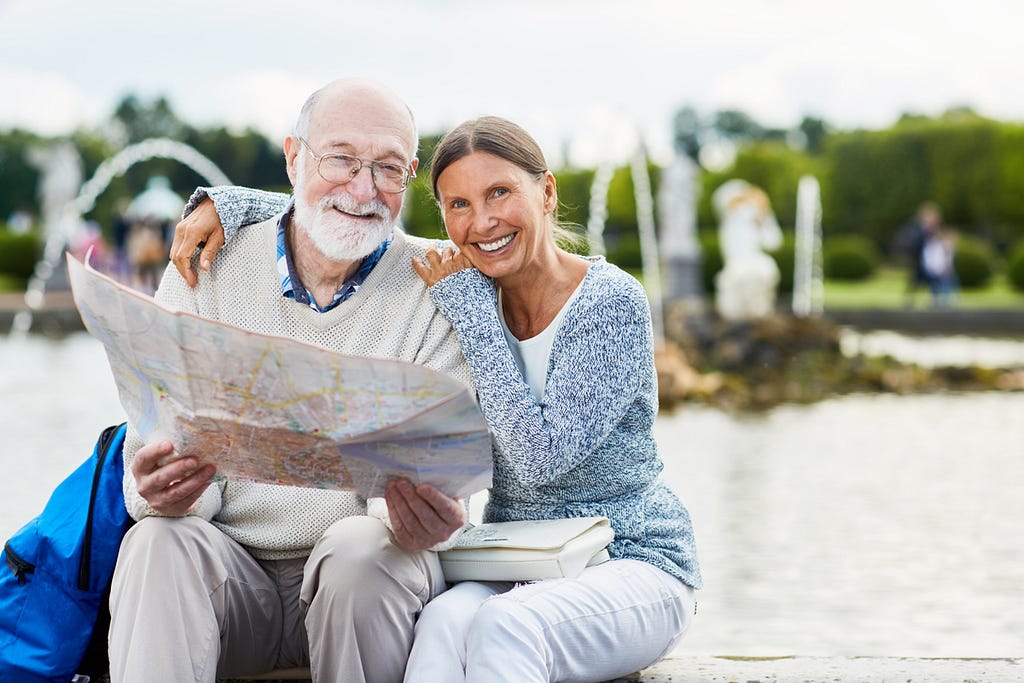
[614, 619]
[189, 604]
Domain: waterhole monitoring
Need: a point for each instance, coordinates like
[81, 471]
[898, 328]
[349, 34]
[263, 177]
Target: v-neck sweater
[390, 316]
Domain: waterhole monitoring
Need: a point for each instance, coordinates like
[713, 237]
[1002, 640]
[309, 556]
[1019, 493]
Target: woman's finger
[433, 257]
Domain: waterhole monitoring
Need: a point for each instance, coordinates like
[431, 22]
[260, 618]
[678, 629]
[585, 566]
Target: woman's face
[497, 214]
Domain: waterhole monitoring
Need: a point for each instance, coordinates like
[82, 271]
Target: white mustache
[345, 202]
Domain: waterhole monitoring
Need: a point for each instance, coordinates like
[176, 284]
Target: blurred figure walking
[912, 239]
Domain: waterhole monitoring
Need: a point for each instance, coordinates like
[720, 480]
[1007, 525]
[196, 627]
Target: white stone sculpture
[60, 169]
[746, 284]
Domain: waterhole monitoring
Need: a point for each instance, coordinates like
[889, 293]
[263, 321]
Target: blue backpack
[56, 571]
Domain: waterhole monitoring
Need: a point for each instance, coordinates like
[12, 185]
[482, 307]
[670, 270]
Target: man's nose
[362, 187]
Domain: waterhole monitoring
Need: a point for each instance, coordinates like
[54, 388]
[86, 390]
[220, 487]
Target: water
[869, 525]
[886, 526]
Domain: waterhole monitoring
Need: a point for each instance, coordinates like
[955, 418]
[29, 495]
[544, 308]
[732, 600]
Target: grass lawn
[11, 284]
[886, 290]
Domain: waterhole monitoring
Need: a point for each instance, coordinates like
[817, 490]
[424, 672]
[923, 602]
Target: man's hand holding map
[279, 411]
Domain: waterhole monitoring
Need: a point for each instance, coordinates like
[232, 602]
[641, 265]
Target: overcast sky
[580, 74]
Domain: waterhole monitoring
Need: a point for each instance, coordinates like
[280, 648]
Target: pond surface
[868, 525]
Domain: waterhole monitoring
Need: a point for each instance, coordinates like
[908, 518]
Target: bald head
[362, 100]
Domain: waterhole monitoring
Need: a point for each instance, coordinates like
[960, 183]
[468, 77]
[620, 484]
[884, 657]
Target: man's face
[348, 221]
[341, 227]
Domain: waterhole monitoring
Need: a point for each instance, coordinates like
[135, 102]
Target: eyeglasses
[341, 168]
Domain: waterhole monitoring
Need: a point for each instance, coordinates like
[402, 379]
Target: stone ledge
[793, 669]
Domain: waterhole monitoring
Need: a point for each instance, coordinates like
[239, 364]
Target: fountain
[63, 211]
[645, 221]
[598, 207]
[648, 241]
[808, 279]
[677, 222]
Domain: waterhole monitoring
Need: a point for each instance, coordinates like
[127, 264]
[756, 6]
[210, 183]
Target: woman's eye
[500, 191]
[458, 204]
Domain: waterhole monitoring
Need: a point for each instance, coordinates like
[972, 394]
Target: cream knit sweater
[390, 316]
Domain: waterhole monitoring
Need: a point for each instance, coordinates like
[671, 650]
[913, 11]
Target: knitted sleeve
[238, 206]
[596, 372]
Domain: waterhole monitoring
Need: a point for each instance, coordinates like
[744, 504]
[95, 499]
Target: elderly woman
[561, 351]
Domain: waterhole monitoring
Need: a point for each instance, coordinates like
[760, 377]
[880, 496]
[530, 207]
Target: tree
[138, 121]
[18, 178]
[688, 132]
[814, 131]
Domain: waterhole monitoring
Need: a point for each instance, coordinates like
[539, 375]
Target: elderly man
[231, 578]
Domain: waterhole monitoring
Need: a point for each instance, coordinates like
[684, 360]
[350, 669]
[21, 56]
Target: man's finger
[148, 458]
[449, 510]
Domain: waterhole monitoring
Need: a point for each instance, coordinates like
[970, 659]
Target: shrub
[18, 254]
[785, 259]
[710, 259]
[849, 257]
[974, 262]
[624, 251]
[1015, 267]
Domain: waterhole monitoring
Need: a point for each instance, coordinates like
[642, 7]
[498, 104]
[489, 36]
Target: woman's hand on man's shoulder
[437, 265]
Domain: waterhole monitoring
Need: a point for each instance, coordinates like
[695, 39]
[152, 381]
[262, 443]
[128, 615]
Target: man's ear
[292, 147]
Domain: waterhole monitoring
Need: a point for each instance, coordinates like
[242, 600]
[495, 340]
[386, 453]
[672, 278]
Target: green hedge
[971, 166]
[710, 259]
[785, 259]
[849, 257]
[974, 261]
[18, 254]
[1015, 267]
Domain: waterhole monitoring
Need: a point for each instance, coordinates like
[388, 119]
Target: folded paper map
[280, 411]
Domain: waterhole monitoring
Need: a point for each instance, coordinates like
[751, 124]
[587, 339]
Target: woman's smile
[496, 244]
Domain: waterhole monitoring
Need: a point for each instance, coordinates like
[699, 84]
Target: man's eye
[390, 169]
[500, 191]
[458, 204]
[341, 162]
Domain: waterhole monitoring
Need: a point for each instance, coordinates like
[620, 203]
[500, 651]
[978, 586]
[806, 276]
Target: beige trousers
[189, 604]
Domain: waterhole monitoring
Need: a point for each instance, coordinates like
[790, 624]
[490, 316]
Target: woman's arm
[601, 363]
[211, 218]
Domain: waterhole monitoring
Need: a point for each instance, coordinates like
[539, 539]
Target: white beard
[340, 237]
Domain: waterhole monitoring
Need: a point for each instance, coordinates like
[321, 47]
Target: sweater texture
[390, 316]
[588, 447]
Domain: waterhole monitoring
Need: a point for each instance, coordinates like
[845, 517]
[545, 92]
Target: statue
[746, 284]
[677, 213]
[60, 169]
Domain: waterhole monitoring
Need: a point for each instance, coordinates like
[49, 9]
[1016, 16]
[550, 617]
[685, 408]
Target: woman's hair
[493, 135]
[505, 140]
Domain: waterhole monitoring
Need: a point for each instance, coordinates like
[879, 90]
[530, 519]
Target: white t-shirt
[533, 355]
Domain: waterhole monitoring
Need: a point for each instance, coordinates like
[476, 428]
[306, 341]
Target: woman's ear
[550, 192]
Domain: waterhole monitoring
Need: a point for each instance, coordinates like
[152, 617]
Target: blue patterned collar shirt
[291, 285]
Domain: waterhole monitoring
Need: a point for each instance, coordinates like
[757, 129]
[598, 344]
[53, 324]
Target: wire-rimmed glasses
[341, 168]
